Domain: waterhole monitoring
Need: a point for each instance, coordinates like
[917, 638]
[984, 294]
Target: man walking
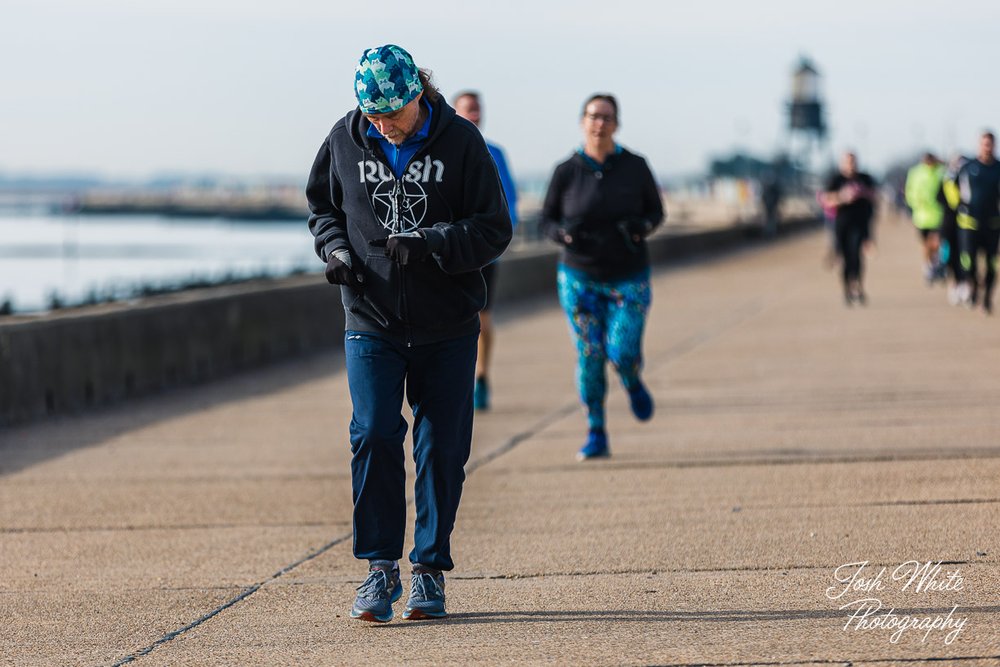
[406, 209]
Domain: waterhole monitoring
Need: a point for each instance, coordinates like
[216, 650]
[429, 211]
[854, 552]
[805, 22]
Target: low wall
[70, 360]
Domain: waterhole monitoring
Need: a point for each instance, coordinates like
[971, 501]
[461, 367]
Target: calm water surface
[73, 256]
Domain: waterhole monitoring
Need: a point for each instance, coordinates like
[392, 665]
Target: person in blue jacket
[469, 106]
[601, 205]
[407, 209]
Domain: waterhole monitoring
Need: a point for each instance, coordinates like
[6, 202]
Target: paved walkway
[793, 436]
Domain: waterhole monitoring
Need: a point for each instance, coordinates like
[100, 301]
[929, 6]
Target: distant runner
[852, 194]
[979, 223]
[923, 189]
[469, 107]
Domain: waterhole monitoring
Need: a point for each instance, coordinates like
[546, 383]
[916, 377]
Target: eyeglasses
[607, 118]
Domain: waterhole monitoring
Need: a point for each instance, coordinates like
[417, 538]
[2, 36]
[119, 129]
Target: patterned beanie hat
[386, 79]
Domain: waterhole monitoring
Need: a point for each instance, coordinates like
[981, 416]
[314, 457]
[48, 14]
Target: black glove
[407, 248]
[567, 234]
[556, 233]
[339, 271]
[633, 230]
[640, 227]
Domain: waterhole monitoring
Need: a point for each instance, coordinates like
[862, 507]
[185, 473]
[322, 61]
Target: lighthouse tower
[806, 131]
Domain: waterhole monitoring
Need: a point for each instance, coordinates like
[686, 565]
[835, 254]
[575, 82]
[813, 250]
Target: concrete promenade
[793, 436]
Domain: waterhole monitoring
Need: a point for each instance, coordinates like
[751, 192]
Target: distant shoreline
[267, 205]
[188, 210]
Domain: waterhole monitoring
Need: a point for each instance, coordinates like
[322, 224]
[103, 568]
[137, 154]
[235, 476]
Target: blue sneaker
[426, 594]
[481, 394]
[377, 593]
[641, 403]
[596, 446]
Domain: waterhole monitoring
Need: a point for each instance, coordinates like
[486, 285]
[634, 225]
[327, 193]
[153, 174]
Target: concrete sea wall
[71, 360]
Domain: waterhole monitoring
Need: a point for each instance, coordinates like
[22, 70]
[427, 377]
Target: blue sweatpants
[437, 380]
[606, 320]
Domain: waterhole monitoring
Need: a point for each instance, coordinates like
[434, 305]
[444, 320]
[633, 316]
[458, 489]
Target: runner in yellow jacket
[923, 185]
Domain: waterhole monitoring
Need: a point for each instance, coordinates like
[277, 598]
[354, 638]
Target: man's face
[398, 126]
[985, 148]
[848, 164]
[467, 107]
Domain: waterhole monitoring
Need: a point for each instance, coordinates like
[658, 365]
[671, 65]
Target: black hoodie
[599, 207]
[450, 191]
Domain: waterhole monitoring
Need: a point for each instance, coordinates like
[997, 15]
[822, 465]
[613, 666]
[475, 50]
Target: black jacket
[600, 209]
[450, 191]
[858, 213]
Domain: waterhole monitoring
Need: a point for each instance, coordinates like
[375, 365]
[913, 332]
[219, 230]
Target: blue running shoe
[426, 595]
[596, 446]
[641, 403]
[481, 394]
[377, 593]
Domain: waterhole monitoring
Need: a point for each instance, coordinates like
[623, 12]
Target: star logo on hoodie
[400, 205]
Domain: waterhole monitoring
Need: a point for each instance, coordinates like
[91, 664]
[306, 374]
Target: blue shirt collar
[421, 134]
[594, 164]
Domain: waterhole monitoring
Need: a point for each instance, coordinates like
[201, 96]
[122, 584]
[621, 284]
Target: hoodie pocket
[438, 300]
[380, 300]
[360, 304]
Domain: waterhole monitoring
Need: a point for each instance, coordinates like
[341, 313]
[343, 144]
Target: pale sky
[132, 89]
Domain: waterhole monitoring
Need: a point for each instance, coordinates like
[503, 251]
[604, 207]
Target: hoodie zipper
[397, 206]
[406, 316]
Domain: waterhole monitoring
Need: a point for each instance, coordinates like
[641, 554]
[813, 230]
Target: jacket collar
[593, 164]
[441, 115]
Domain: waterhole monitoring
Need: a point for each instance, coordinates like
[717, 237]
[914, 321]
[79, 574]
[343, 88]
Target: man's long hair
[431, 92]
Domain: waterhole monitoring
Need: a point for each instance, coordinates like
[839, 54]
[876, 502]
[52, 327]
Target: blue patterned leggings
[606, 320]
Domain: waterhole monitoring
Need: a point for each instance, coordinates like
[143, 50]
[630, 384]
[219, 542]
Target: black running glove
[634, 230]
[638, 228]
[558, 234]
[339, 271]
[407, 247]
[566, 234]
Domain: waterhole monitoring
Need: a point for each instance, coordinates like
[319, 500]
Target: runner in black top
[601, 205]
[950, 199]
[979, 222]
[852, 193]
